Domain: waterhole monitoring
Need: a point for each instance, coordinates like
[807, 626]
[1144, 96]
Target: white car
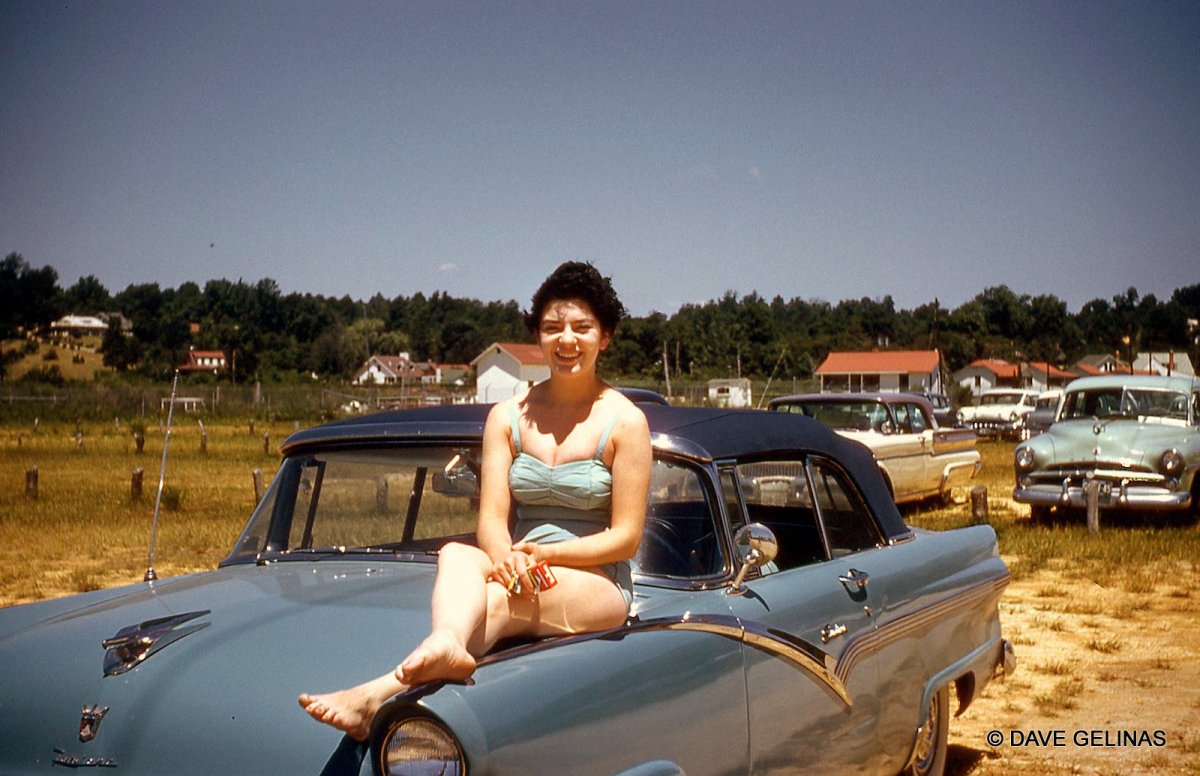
[918, 459]
[1001, 412]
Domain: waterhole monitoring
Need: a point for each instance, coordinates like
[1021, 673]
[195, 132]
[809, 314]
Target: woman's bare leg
[469, 616]
[459, 607]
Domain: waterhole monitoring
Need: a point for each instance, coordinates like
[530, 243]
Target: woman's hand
[512, 570]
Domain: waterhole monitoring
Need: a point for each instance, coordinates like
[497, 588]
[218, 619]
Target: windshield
[1124, 402]
[406, 502]
[1002, 398]
[847, 416]
[370, 499]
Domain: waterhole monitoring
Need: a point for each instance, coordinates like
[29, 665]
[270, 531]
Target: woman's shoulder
[625, 413]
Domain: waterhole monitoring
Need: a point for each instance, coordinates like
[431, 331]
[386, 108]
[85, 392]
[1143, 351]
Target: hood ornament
[89, 722]
[135, 643]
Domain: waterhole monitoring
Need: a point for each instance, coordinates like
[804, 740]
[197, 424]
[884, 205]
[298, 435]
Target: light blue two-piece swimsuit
[565, 501]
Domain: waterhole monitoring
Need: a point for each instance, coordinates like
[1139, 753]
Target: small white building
[78, 325]
[1168, 363]
[731, 392]
[203, 361]
[984, 374]
[506, 369]
[888, 371]
[387, 370]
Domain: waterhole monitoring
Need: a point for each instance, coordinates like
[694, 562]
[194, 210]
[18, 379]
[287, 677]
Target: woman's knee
[457, 553]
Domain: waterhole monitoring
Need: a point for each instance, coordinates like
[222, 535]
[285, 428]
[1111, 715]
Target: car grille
[1100, 470]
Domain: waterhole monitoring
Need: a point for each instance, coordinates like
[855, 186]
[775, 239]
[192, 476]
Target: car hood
[1125, 441]
[219, 694]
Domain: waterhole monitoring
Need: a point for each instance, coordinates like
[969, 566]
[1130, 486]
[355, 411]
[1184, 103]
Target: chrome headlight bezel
[417, 744]
[1171, 462]
[1024, 458]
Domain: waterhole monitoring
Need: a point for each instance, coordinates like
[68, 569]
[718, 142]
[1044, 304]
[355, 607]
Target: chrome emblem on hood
[89, 722]
[135, 643]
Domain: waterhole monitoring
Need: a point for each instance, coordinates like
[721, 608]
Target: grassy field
[84, 531]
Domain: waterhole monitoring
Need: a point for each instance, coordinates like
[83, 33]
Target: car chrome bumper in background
[1113, 495]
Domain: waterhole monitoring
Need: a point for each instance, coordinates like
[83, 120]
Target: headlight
[959, 417]
[1172, 462]
[1012, 417]
[419, 745]
[1024, 458]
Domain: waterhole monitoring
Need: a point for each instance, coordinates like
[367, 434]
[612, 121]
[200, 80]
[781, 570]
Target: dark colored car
[943, 410]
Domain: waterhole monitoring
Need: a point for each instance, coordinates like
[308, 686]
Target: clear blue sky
[804, 149]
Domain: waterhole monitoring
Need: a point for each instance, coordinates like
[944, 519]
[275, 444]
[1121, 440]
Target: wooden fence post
[139, 441]
[31, 483]
[979, 504]
[203, 438]
[135, 484]
[1092, 491]
[381, 494]
[252, 426]
[258, 485]
[78, 440]
[267, 443]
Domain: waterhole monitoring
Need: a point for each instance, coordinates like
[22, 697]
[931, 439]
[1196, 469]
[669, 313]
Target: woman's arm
[495, 499]
[631, 463]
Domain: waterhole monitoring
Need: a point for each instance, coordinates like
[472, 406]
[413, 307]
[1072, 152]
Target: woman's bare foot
[440, 656]
[352, 710]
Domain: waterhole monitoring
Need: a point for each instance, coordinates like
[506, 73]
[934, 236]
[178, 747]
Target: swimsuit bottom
[554, 530]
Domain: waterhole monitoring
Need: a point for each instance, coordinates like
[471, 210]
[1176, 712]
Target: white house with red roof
[984, 374]
[203, 361]
[1042, 375]
[388, 370]
[889, 371]
[505, 369]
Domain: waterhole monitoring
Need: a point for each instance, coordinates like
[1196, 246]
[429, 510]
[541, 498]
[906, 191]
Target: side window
[903, 423]
[776, 494]
[917, 418]
[680, 537]
[849, 526]
[1196, 409]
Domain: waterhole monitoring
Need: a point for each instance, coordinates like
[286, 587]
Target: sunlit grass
[84, 530]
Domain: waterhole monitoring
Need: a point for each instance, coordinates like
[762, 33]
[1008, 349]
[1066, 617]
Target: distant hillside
[74, 363]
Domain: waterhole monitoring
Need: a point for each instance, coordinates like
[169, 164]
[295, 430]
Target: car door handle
[855, 577]
[832, 631]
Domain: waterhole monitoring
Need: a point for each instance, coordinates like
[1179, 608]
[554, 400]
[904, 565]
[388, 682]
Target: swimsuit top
[582, 487]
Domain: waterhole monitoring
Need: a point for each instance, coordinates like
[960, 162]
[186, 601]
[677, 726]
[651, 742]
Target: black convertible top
[706, 434]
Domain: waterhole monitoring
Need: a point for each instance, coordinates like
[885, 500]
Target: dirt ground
[1107, 682]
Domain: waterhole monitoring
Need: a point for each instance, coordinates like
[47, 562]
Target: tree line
[269, 335]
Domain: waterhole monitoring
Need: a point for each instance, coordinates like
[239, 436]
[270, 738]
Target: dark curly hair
[578, 280]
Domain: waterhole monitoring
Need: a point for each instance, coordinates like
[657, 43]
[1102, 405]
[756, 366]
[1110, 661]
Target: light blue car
[1137, 437]
[785, 619]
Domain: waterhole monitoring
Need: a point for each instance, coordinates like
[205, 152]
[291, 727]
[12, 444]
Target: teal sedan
[1136, 437]
[785, 618]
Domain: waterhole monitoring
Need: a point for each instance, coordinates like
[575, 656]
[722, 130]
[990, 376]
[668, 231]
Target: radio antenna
[162, 475]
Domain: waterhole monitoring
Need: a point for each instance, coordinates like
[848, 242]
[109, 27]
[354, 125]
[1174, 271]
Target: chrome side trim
[780, 644]
[867, 643]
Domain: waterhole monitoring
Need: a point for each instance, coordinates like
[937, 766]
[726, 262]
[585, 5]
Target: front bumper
[1115, 493]
[996, 428]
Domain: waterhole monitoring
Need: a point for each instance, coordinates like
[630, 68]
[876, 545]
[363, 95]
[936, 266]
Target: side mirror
[756, 546]
[888, 427]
